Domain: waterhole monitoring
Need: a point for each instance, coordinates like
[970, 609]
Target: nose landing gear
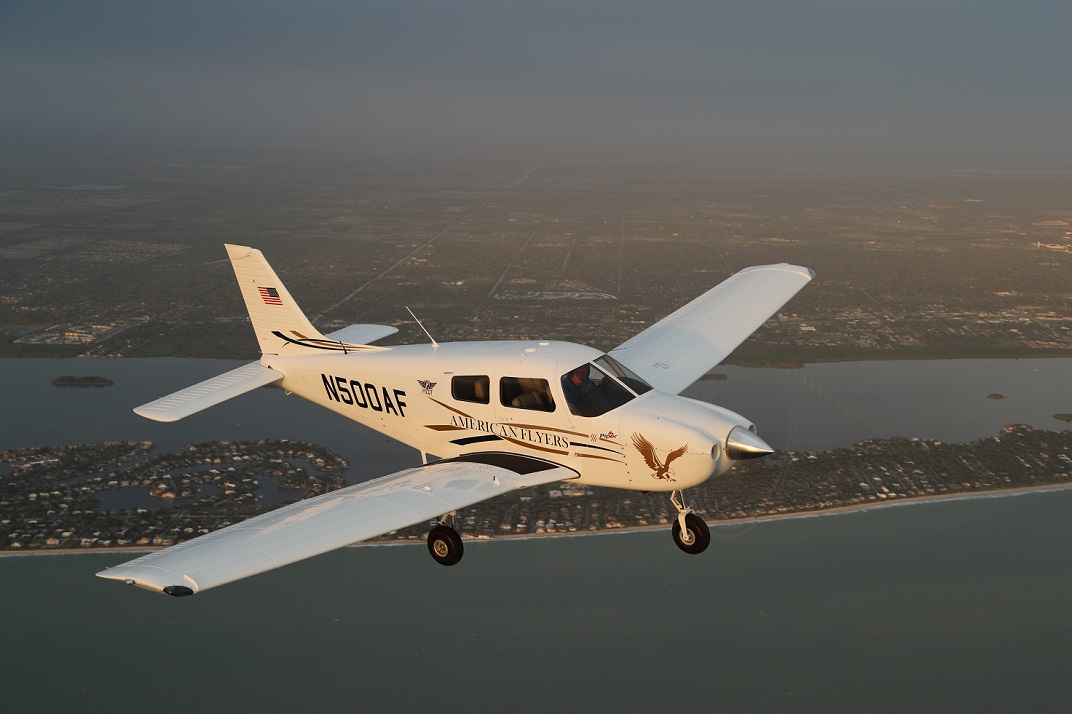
[445, 544]
[690, 532]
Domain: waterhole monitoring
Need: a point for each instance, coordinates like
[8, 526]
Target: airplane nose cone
[743, 444]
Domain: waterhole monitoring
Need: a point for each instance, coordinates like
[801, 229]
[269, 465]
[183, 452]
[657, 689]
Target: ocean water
[827, 406]
[943, 606]
[819, 406]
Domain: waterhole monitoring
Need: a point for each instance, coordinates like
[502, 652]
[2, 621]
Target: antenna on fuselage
[435, 345]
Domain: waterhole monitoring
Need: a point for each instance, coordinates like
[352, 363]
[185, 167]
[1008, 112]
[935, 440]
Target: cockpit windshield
[593, 388]
[625, 375]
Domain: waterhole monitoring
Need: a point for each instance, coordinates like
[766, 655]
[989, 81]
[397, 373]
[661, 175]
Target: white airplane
[501, 415]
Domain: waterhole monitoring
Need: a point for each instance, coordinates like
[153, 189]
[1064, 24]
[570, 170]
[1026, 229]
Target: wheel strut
[690, 532]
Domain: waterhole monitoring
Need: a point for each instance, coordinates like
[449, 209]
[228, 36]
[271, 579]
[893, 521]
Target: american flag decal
[270, 296]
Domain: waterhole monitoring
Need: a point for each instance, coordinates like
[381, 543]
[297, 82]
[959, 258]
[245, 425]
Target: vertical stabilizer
[277, 319]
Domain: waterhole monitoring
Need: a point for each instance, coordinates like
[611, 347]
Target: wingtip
[799, 269]
[238, 251]
[147, 412]
[785, 267]
[808, 272]
[150, 580]
[116, 573]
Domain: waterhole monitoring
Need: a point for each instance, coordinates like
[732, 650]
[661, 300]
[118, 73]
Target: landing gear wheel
[695, 538]
[445, 545]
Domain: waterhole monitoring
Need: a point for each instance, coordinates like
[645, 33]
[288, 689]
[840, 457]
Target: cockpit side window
[591, 392]
[470, 388]
[526, 393]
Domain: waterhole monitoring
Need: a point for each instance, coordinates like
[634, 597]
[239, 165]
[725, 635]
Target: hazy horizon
[856, 82]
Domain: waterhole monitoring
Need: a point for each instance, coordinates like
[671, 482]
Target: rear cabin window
[526, 393]
[474, 388]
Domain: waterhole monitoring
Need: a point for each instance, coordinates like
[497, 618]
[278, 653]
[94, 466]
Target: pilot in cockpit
[576, 383]
[592, 391]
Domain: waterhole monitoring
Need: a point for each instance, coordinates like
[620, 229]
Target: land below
[125, 258]
[53, 498]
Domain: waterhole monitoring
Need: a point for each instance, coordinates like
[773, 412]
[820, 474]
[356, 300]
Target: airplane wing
[679, 349]
[205, 394]
[333, 520]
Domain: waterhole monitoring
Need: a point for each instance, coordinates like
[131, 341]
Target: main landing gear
[690, 532]
[444, 543]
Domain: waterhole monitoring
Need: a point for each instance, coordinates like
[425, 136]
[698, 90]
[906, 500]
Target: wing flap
[679, 349]
[209, 393]
[332, 520]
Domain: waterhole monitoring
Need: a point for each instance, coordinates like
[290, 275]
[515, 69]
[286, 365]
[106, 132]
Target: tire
[699, 536]
[445, 545]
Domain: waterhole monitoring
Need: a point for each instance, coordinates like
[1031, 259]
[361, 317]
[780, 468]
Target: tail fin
[276, 318]
[279, 322]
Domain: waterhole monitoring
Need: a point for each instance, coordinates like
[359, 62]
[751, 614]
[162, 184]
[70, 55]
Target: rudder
[276, 318]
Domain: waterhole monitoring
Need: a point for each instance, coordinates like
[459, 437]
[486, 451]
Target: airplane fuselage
[458, 398]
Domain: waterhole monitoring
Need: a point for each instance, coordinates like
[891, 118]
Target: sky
[863, 80]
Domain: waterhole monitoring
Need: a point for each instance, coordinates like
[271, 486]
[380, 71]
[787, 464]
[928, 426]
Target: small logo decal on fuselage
[427, 386]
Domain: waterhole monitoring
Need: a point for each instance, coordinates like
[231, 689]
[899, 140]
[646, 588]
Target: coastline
[818, 513]
[901, 443]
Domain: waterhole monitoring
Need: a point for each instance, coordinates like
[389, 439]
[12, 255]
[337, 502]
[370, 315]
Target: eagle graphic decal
[647, 450]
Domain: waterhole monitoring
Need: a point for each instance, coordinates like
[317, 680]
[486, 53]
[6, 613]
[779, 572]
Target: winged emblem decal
[426, 386]
[647, 450]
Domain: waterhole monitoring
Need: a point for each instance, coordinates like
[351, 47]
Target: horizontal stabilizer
[361, 334]
[333, 520]
[679, 349]
[209, 393]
